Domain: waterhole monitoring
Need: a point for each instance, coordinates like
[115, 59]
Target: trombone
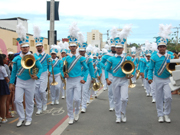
[128, 68]
[65, 71]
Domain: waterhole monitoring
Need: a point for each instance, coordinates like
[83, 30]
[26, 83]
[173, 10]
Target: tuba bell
[171, 67]
[28, 62]
[128, 68]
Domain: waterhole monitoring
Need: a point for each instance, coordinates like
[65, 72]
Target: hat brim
[39, 45]
[25, 45]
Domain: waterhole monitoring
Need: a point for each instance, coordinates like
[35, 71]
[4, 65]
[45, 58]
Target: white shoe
[88, 102]
[104, 89]
[57, 102]
[150, 95]
[118, 120]
[167, 119]
[161, 120]
[28, 123]
[20, 122]
[4, 121]
[52, 103]
[144, 88]
[123, 117]
[71, 121]
[83, 110]
[111, 109]
[153, 101]
[76, 117]
[63, 97]
[39, 112]
[44, 107]
[147, 95]
[142, 85]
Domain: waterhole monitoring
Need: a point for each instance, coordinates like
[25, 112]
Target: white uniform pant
[40, 91]
[73, 92]
[148, 87]
[25, 87]
[103, 79]
[120, 90]
[55, 90]
[85, 91]
[144, 82]
[110, 91]
[163, 94]
[153, 88]
[61, 89]
[134, 78]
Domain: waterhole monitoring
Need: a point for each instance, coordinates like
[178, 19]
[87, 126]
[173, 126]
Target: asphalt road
[98, 120]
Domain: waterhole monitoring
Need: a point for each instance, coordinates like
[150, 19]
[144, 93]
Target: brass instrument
[28, 62]
[65, 71]
[99, 79]
[128, 68]
[96, 86]
[54, 82]
[138, 74]
[64, 81]
[171, 67]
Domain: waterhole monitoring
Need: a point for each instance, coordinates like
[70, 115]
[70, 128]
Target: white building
[95, 38]
[11, 23]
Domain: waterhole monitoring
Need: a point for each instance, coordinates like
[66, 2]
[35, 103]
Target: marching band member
[25, 84]
[63, 50]
[104, 52]
[120, 80]
[142, 67]
[41, 83]
[74, 81]
[55, 89]
[97, 68]
[146, 67]
[104, 60]
[86, 86]
[161, 78]
[135, 61]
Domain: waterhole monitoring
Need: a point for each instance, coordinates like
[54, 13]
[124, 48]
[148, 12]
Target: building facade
[8, 36]
[95, 38]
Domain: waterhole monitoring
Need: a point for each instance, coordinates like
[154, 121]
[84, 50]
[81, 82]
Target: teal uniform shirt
[104, 60]
[155, 64]
[57, 68]
[76, 70]
[46, 66]
[89, 63]
[25, 74]
[146, 69]
[98, 69]
[113, 62]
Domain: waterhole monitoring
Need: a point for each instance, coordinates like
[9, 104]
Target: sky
[144, 15]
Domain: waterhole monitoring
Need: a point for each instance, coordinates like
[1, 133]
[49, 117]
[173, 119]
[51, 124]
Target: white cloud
[128, 9]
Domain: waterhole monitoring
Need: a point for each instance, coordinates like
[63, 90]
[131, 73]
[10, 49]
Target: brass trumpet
[128, 68]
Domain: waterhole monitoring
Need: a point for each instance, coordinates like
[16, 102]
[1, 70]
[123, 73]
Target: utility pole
[51, 37]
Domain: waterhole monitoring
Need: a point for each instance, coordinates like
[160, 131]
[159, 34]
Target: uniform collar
[70, 54]
[22, 55]
[160, 55]
[116, 55]
[110, 54]
[54, 59]
[40, 53]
